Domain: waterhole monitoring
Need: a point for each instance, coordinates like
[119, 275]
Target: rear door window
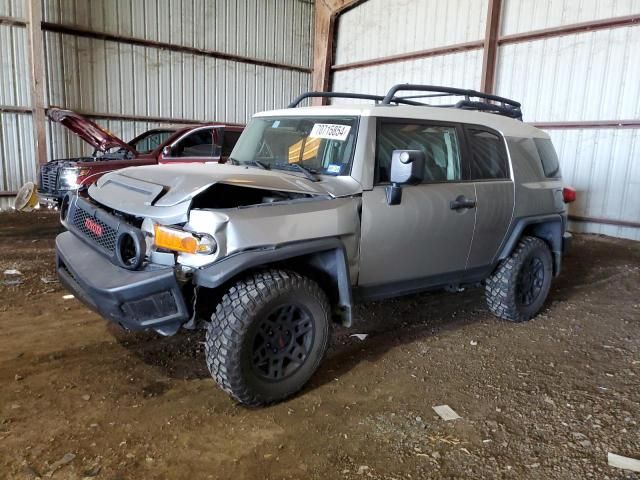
[489, 159]
[548, 156]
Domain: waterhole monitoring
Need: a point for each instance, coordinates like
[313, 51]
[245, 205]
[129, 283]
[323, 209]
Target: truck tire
[519, 287]
[267, 336]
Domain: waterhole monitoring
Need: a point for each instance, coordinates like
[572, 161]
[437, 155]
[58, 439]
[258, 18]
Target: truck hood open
[87, 130]
[164, 192]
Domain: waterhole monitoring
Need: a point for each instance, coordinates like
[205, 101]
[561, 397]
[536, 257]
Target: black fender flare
[327, 255]
[549, 228]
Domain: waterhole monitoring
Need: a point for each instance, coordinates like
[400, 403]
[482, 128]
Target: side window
[488, 155]
[548, 156]
[197, 144]
[439, 144]
[229, 141]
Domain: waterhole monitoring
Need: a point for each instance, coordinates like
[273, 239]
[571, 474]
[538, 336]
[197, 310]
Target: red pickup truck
[183, 143]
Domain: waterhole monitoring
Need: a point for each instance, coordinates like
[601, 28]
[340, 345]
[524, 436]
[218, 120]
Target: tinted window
[488, 155]
[439, 144]
[229, 141]
[548, 156]
[198, 144]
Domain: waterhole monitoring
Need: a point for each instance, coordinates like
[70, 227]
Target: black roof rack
[505, 106]
[502, 106]
[358, 96]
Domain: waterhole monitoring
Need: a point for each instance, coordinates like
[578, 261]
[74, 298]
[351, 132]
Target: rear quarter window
[489, 159]
[548, 156]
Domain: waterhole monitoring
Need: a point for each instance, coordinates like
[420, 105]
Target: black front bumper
[135, 299]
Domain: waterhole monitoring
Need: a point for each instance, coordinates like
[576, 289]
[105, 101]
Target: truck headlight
[68, 178]
[181, 241]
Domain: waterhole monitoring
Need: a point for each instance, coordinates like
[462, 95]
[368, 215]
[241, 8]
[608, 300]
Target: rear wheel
[519, 287]
[267, 336]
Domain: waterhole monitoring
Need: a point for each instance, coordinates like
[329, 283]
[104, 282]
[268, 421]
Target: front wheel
[519, 287]
[267, 336]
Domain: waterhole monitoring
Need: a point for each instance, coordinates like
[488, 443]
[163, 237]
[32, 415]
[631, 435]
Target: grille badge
[93, 227]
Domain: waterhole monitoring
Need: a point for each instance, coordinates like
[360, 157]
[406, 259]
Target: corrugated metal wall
[116, 77]
[593, 77]
[17, 157]
[381, 28]
[588, 77]
[103, 76]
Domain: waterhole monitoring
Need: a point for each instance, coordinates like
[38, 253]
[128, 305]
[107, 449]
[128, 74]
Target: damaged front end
[154, 255]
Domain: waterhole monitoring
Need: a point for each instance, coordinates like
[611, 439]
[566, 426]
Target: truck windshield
[322, 145]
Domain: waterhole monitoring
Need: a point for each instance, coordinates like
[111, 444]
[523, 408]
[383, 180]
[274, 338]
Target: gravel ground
[543, 399]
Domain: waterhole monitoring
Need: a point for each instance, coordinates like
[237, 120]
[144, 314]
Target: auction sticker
[330, 131]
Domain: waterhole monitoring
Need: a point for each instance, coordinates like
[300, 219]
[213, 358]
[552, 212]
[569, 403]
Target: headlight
[68, 178]
[181, 241]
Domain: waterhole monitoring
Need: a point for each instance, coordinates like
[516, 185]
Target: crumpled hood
[160, 190]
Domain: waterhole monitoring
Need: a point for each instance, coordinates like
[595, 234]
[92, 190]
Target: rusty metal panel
[520, 16]
[586, 76]
[380, 28]
[275, 30]
[601, 164]
[13, 8]
[17, 155]
[456, 70]
[14, 67]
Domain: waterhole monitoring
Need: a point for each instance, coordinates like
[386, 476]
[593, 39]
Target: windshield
[321, 145]
[151, 140]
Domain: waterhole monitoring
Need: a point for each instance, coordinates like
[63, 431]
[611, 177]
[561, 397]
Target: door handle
[462, 202]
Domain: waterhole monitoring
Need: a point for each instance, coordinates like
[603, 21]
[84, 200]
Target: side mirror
[166, 151]
[407, 168]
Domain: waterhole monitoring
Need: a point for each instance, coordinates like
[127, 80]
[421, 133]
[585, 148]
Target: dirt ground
[544, 399]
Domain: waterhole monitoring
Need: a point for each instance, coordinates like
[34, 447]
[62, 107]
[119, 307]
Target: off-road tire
[234, 324]
[502, 288]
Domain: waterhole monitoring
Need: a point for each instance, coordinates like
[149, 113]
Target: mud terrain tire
[519, 287]
[267, 336]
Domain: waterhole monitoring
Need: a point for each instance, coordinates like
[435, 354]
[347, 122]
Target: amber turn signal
[181, 241]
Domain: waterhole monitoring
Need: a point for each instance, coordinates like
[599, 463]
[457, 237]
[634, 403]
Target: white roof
[509, 127]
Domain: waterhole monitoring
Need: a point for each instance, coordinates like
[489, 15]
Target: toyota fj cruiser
[320, 207]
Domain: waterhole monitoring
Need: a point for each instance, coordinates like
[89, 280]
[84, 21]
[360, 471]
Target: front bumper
[135, 299]
[49, 200]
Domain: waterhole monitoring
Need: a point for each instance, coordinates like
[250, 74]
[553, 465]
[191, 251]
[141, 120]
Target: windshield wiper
[257, 163]
[310, 173]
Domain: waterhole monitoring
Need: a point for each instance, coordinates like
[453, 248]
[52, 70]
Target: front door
[428, 234]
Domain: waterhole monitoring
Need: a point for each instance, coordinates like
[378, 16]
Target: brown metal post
[489, 57]
[36, 56]
[326, 14]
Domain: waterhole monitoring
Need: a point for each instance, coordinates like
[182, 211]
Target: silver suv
[318, 208]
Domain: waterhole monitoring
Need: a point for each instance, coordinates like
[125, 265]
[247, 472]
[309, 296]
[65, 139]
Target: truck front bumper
[135, 299]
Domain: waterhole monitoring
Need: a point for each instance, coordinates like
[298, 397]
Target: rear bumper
[135, 299]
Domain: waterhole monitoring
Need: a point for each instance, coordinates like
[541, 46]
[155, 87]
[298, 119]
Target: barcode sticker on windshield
[330, 130]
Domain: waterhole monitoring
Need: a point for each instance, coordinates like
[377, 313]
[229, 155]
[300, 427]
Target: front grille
[108, 238]
[48, 178]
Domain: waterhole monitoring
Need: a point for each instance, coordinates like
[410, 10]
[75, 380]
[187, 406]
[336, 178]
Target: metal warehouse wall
[135, 64]
[17, 154]
[389, 29]
[573, 65]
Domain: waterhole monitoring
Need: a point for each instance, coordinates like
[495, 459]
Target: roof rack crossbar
[453, 91]
[505, 106]
[358, 96]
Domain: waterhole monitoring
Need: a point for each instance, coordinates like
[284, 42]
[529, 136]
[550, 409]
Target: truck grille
[106, 240]
[48, 178]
